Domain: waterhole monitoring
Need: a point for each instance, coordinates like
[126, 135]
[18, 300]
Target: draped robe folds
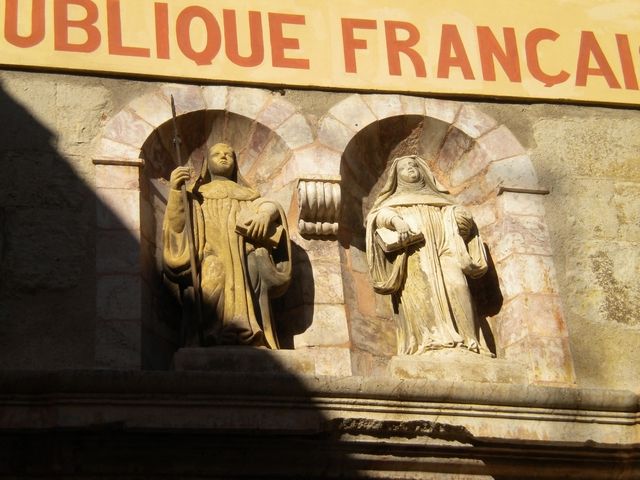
[430, 295]
[235, 307]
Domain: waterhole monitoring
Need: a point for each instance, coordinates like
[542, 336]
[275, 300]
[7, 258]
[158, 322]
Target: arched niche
[133, 164]
[488, 171]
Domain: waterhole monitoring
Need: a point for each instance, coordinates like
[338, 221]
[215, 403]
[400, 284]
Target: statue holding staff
[421, 248]
[242, 250]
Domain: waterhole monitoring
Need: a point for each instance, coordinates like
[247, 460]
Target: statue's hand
[465, 222]
[402, 227]
[178, 177]
[258, 226]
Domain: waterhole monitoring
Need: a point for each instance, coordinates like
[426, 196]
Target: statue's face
[221, 160]
[408, 170]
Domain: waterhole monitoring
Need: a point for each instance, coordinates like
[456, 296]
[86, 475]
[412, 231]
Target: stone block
[510, 324]
[520, 204]
[334, 134]
[330, 361]
[457, 365]
[473, 122]
[215, 97]
[444, 110]
[551, 360]
[295, 132]
[365, 295]
[154, 108]
[118, 345]
[484, 214]
[627, 209]
[384, 106]
[501, 143]
[374, 334]
[276, 113]
[117, 251]
[520, 274]
[412, 105]
[327, 278]
[353, 112]
[115, 150]
[118, 209]
[188, 98]
[242, 359]
[119, 297]
[522, 234]
[247, 102]
[128, 128]
[308, 162]
[328, 328]
[512, 172]
[528, 316]
[470, 164]
[124, 177]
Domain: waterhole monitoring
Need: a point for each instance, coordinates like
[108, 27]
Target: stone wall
[49, 289]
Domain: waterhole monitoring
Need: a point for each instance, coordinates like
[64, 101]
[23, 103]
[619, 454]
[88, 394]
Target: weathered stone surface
[119, 297]
[187, 98]
[118, 176]
[353, 112]
[384, 106]
[518, 234]
[512, 203]
[247, 102]
[412, 105]
[515, 172]
[118, 345]
[442, 109]
[117, 251]
[474, 122]
[334, 134]
[328, 328]
[215, 96]
[456, 365]
[119, 209]
[520, 274]
[276, 112]
[295, 132]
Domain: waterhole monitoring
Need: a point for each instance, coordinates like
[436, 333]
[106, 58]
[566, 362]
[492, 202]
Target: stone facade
[553, 189]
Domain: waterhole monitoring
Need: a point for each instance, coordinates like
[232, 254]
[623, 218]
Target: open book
[389, 239]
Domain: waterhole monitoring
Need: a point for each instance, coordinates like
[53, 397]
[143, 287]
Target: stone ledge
[211, 401]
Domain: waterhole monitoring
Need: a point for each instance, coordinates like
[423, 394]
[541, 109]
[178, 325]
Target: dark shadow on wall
[47, 249]
[49, 224]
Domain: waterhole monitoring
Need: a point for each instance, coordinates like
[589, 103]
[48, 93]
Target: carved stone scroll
[319, 200]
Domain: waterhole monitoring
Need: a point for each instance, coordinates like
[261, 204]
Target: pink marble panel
[295, 132]
[353, 112]
[334, 134]
[275, 113]
[125, 177]
[444, 110]
[215, 97]
[188, 98]
[384, 106]
[521, 274]
[412, 105]
[248, 102]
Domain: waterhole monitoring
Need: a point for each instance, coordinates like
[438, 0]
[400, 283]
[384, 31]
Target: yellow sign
[577, 50]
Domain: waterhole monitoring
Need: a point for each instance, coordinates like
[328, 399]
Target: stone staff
[188, 225]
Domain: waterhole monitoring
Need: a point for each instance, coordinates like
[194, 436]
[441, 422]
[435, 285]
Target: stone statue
[420, 249]
[242, 249]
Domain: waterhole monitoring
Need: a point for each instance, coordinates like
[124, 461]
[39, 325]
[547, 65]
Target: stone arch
[133, 162]
[486, 169]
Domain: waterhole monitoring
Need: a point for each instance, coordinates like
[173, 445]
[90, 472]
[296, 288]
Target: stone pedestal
[457, 365]
[240, 359]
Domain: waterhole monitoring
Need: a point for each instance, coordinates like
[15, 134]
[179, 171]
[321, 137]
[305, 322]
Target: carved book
[274, 232]
[389, 240]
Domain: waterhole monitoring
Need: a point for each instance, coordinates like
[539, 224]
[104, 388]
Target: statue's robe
[236, 278]
[428, 281]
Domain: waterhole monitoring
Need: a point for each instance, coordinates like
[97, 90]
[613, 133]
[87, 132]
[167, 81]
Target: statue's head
[408, 170]
[221, 160]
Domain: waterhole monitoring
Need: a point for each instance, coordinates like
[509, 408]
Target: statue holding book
[242, 252]
[421, 248]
